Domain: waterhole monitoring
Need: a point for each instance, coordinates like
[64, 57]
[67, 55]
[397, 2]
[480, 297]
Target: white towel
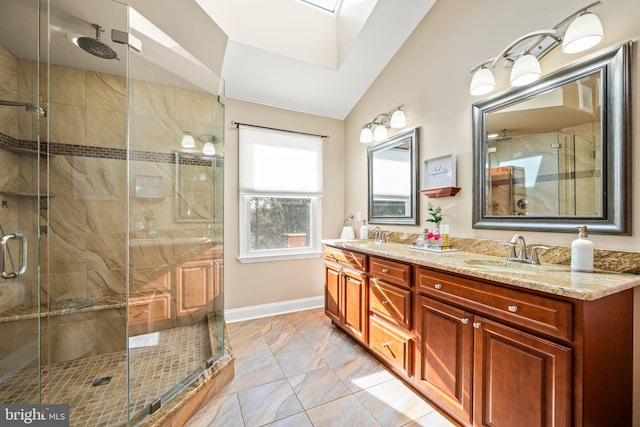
[347, 233]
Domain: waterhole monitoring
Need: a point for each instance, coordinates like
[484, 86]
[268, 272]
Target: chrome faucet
[521, 254]
[379, 236]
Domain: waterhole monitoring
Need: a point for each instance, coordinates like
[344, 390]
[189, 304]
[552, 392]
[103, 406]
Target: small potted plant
[436, 217]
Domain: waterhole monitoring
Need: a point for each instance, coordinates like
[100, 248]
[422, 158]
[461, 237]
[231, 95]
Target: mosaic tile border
[57, 149]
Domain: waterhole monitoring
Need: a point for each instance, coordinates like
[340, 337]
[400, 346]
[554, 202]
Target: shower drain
[100, 381]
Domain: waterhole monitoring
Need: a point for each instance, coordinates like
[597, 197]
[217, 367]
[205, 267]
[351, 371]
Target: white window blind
[281, 162]
[280, 184]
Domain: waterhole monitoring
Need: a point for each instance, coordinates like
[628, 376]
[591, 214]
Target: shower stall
[111, 211]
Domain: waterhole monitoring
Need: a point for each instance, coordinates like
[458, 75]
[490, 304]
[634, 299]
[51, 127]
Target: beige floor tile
[359, 374]
[285, 341]
[268, 403]
[223, 411]
[317, 387]
[432, 419]
[297, 420]
[256, 371]
[393, 404]
[347, 411]
[299, 361]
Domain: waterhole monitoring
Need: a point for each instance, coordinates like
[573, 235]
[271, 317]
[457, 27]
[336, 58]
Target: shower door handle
[5, 250]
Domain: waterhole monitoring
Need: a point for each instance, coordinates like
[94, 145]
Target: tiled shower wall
[86, 212]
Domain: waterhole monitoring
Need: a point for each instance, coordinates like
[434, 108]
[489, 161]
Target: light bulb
[380, 133]
[583, 33]
[398, 119]
[366, 136]
[526, 70]
[188, 141]
[208, 149]
[482, 82]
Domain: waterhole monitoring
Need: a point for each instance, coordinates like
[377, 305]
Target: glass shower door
[21, 118]
[175, 173]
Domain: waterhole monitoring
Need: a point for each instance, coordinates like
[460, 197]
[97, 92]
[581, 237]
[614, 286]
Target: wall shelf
[441, 192]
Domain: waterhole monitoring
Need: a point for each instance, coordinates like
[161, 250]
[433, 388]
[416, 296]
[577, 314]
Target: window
[328, 5]
[280, 182]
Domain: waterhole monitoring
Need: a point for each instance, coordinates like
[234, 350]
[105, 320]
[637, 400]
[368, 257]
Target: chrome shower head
[32, 108]
[94, 46]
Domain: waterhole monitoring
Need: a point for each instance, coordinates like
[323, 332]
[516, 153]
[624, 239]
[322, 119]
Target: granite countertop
[550, 278]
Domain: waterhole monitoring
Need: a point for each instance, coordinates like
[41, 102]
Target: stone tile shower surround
[85, 267]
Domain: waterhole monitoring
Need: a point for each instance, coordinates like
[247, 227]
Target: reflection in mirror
[196, 195]
[551, 156]
[393, 180]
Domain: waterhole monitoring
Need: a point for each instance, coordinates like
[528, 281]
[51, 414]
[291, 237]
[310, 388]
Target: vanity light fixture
[578, 32]
[188, 141]
[208, 149]
[395, 119]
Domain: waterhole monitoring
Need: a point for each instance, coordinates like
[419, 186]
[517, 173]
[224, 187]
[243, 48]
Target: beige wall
[430, 75]
[277, 281]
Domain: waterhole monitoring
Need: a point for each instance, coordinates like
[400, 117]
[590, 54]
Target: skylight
[329, 5]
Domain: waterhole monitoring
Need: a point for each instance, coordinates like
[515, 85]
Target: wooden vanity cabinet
[494, 355]
[346, 291]
[486, 353]
[390, 314]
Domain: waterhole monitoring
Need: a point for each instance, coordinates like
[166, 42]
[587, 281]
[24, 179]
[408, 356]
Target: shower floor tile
[154, 370]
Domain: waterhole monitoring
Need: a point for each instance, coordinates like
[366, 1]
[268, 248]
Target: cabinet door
[354, 304]
[332, 280]
[194, 286]
[520, 379]
[445, 354]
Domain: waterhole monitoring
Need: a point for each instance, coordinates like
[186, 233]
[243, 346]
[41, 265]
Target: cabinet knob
[438, 286]
[513, 308]
[477, 325]
[464, 320]
[385, 302]
[385, 270]
[386, 344]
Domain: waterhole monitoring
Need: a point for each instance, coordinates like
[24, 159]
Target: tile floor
[298, 370]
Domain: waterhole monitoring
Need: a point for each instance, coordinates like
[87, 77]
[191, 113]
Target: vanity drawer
[538, 313]
[390, 271]
[391, 344]
[390, 302]
[346, 258]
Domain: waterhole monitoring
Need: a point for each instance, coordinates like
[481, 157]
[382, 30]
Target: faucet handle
[512, 250]
[533, 259]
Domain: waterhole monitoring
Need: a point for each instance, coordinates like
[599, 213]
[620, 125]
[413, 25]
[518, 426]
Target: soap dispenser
[582, 251]
[364, 230]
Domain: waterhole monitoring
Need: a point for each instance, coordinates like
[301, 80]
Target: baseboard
[264, 310]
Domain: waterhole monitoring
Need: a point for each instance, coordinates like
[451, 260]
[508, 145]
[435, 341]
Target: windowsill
[278, 257]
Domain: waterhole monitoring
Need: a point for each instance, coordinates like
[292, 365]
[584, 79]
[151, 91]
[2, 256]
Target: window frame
[314, 248]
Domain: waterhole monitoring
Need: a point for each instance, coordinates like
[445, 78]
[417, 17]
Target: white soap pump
[582, 251]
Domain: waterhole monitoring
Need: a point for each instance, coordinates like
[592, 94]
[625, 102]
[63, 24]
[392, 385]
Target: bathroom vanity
[490, 342]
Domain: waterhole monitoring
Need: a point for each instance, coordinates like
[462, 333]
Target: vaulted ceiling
[282, 53]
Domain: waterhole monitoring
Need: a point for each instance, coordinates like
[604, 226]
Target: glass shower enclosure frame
[111, 211]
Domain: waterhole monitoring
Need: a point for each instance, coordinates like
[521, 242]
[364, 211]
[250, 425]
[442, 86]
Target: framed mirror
[556, 154]
[393, 180]
[195, 195]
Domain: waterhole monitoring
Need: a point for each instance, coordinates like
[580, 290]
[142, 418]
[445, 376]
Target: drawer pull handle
[464, 320]
[386, 344]
[385, 302]
[513, 308]
[477, 325]
[385, 270]
[438, 286]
